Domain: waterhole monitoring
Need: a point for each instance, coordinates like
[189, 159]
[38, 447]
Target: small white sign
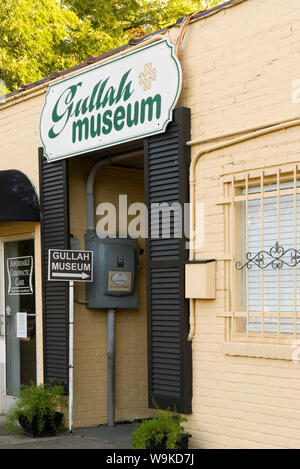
[127, 98]
[22, 325]
[69, 265]
[19, 274]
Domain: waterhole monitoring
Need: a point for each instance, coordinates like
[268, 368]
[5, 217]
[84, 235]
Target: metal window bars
[273, 191]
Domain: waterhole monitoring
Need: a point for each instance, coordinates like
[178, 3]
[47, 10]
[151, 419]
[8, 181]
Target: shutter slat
[55, 235]
[166, 180]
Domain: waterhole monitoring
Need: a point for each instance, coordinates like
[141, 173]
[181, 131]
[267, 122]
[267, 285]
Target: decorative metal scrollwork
[277, 258]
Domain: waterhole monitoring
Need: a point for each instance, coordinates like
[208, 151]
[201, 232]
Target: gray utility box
[115, 273]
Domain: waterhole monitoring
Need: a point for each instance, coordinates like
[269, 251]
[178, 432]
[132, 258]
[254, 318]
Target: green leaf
[38, 37]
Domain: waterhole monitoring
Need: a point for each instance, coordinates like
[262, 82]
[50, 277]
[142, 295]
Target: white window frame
[6, 400]
[237, 194]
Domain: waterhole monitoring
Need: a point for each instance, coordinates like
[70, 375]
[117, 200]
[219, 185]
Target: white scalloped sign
[127, 98]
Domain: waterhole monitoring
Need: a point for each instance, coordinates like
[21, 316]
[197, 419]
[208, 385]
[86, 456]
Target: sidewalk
[101, 437]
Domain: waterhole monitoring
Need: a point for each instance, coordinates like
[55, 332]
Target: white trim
[5, 400]
[257, 350]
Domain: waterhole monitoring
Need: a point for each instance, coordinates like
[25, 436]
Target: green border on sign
[135, 137]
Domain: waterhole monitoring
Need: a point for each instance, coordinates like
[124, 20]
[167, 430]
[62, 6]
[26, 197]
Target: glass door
[20, 315]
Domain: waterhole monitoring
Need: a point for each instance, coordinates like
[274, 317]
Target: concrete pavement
[101, 437]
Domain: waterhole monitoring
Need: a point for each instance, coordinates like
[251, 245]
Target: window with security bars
[265, 267]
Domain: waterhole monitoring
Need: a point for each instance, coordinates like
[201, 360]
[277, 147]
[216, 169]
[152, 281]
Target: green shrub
[164, 427]
[39, 401]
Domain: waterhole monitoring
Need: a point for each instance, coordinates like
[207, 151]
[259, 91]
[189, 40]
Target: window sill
[255, 350]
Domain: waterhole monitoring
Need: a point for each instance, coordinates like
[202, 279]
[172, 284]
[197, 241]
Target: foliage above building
[38, 37]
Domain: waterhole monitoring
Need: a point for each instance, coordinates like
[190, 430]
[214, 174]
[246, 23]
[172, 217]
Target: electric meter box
[114, 283]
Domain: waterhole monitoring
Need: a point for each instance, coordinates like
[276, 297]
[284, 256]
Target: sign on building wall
[70, 265]
[124, 99]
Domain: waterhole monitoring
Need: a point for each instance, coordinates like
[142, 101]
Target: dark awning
[18, 199]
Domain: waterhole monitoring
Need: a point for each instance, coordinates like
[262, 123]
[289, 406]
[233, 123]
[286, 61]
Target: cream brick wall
[90, 343]
[238, 70]
[19, 137]
[19, 134]
[239, 65]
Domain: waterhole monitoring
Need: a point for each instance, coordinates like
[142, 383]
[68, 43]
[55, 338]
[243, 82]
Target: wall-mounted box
[200, 280]
[115, 273]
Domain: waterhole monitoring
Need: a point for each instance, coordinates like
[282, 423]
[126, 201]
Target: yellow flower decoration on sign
[147, 76]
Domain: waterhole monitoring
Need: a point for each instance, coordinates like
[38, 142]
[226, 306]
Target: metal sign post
[70, 266]
[71, 354]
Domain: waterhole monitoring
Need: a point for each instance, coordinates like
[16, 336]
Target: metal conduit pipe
[110, 367]
[90, 200]
[90, 193]
[242, 131]
[196, 158]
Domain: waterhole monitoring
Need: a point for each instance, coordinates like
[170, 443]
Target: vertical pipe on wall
[90, 208]
[110, 367]
[90, 197]
[90, 193]
[295, 247]
[71, 342]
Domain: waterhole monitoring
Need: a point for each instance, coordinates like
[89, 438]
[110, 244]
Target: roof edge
[94, 59]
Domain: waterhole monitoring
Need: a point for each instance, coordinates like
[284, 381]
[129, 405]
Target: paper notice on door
[22, 325]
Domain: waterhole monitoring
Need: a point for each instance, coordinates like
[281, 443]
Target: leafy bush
[163, 428]
[36, 402]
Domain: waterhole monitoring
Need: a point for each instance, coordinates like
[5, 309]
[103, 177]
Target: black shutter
[54, 235]
[167, 160]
